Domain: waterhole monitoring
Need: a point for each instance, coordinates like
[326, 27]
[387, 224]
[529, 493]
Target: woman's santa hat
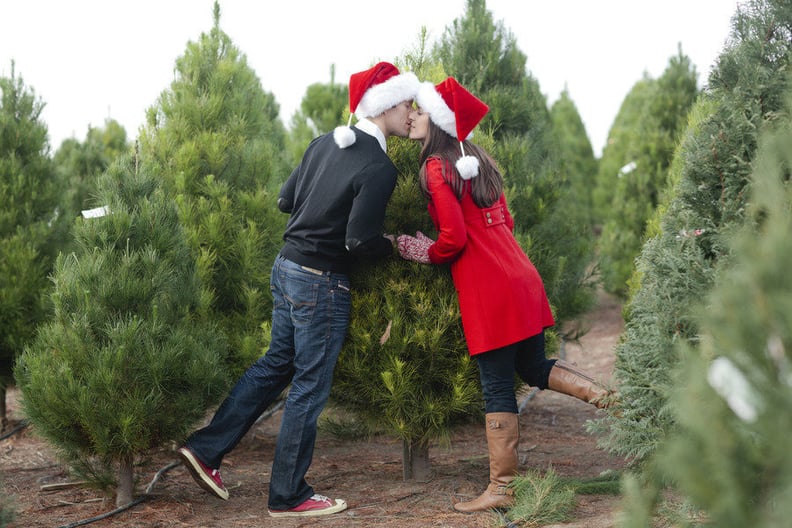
[457, 112]
[373, 91]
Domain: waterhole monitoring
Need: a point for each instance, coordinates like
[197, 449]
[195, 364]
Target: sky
[90, 60]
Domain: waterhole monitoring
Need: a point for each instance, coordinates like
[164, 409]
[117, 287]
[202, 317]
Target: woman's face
[419, 126]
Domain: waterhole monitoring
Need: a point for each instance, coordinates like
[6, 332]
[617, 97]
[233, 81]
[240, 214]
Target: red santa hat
[457, 112]
[373, 91]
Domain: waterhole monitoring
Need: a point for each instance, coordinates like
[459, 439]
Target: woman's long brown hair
[485, 189]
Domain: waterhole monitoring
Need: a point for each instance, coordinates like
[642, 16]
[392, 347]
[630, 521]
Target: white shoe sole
[203, 480]
[339, 506]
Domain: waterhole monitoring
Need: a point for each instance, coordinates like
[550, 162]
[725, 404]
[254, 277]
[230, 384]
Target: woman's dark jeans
[497, 369]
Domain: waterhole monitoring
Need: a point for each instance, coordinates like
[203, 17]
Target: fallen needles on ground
[135, 502]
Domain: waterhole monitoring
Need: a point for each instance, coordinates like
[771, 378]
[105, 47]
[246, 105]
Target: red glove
[415, 248]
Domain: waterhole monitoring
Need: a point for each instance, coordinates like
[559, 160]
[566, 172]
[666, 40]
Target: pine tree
[678, 266]
[221, 147]
[79, 164]
[321, 110]
[127, 364]
[576, 155]
[636, 189]
[404, 368]
[28, 222]
[619, 152]
[729, 455]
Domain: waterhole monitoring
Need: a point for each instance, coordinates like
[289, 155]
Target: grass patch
[609, 483]
[541, 499]
[546, 498]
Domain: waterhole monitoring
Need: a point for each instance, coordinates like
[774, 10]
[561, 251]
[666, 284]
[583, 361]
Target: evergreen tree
[127, 364]
[79, 164]
[404, 368]
[576, 155]
[678, 266]
[321, 110]
[729, 455]
[636, 191]
[221, 146]
[28, 222]
[619, 152]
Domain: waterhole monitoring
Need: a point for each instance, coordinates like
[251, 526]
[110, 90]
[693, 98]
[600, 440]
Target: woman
[501, 295]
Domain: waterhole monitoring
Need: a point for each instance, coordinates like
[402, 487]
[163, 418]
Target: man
[336, 198]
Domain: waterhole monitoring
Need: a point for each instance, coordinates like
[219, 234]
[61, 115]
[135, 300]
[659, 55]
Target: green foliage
[643, 148]
[28, 219]
[481, 53]
[323, 108]
[220, 146]
[541, 499]
[80, 164]
[577, 157]
[619, 151]
[729, 454]
[679, 266]
[127, 363]
[404, 367]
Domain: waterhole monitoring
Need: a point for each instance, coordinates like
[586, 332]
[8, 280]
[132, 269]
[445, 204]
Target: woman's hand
[415, 248]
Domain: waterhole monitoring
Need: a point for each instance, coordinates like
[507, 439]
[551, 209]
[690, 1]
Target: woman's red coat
[501, 295]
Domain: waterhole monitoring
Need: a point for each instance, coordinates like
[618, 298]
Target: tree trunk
[125, 492]
[3, 408]
[415, 462]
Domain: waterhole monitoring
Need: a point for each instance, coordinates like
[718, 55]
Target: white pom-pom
[344, 136]
[468, 167]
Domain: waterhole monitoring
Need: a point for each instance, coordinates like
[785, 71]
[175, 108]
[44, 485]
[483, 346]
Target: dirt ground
[367, 474]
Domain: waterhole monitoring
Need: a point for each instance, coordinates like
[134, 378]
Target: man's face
[397, 119]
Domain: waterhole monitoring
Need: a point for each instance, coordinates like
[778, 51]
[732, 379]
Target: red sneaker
[206, 477]
[316, 505]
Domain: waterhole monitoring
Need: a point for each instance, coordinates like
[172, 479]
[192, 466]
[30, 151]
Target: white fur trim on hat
[441, 115]
[388, 94]
[468, 167]
[344, 136]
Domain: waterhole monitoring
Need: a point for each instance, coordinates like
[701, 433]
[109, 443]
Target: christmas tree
[678, 265]
[128, 362]
[404, 367]
[644, 157]
[29, 222]
[220, 144]
[729, 456]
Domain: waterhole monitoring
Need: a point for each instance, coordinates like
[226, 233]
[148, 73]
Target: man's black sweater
[337, 199]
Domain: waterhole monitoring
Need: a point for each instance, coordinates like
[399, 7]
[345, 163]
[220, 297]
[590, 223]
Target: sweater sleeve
[372, 190]
[452, 234]
[286, 194]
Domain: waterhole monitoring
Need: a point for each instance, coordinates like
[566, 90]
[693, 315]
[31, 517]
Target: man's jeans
[310, 315]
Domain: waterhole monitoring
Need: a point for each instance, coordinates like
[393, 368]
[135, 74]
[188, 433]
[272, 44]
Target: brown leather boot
[503, 434]
[566, 378]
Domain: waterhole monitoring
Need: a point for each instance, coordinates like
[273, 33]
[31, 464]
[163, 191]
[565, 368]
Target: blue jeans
[310, 316]
[497, 369]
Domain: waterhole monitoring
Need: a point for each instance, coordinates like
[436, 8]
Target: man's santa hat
[457, 112]
[373, 91]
